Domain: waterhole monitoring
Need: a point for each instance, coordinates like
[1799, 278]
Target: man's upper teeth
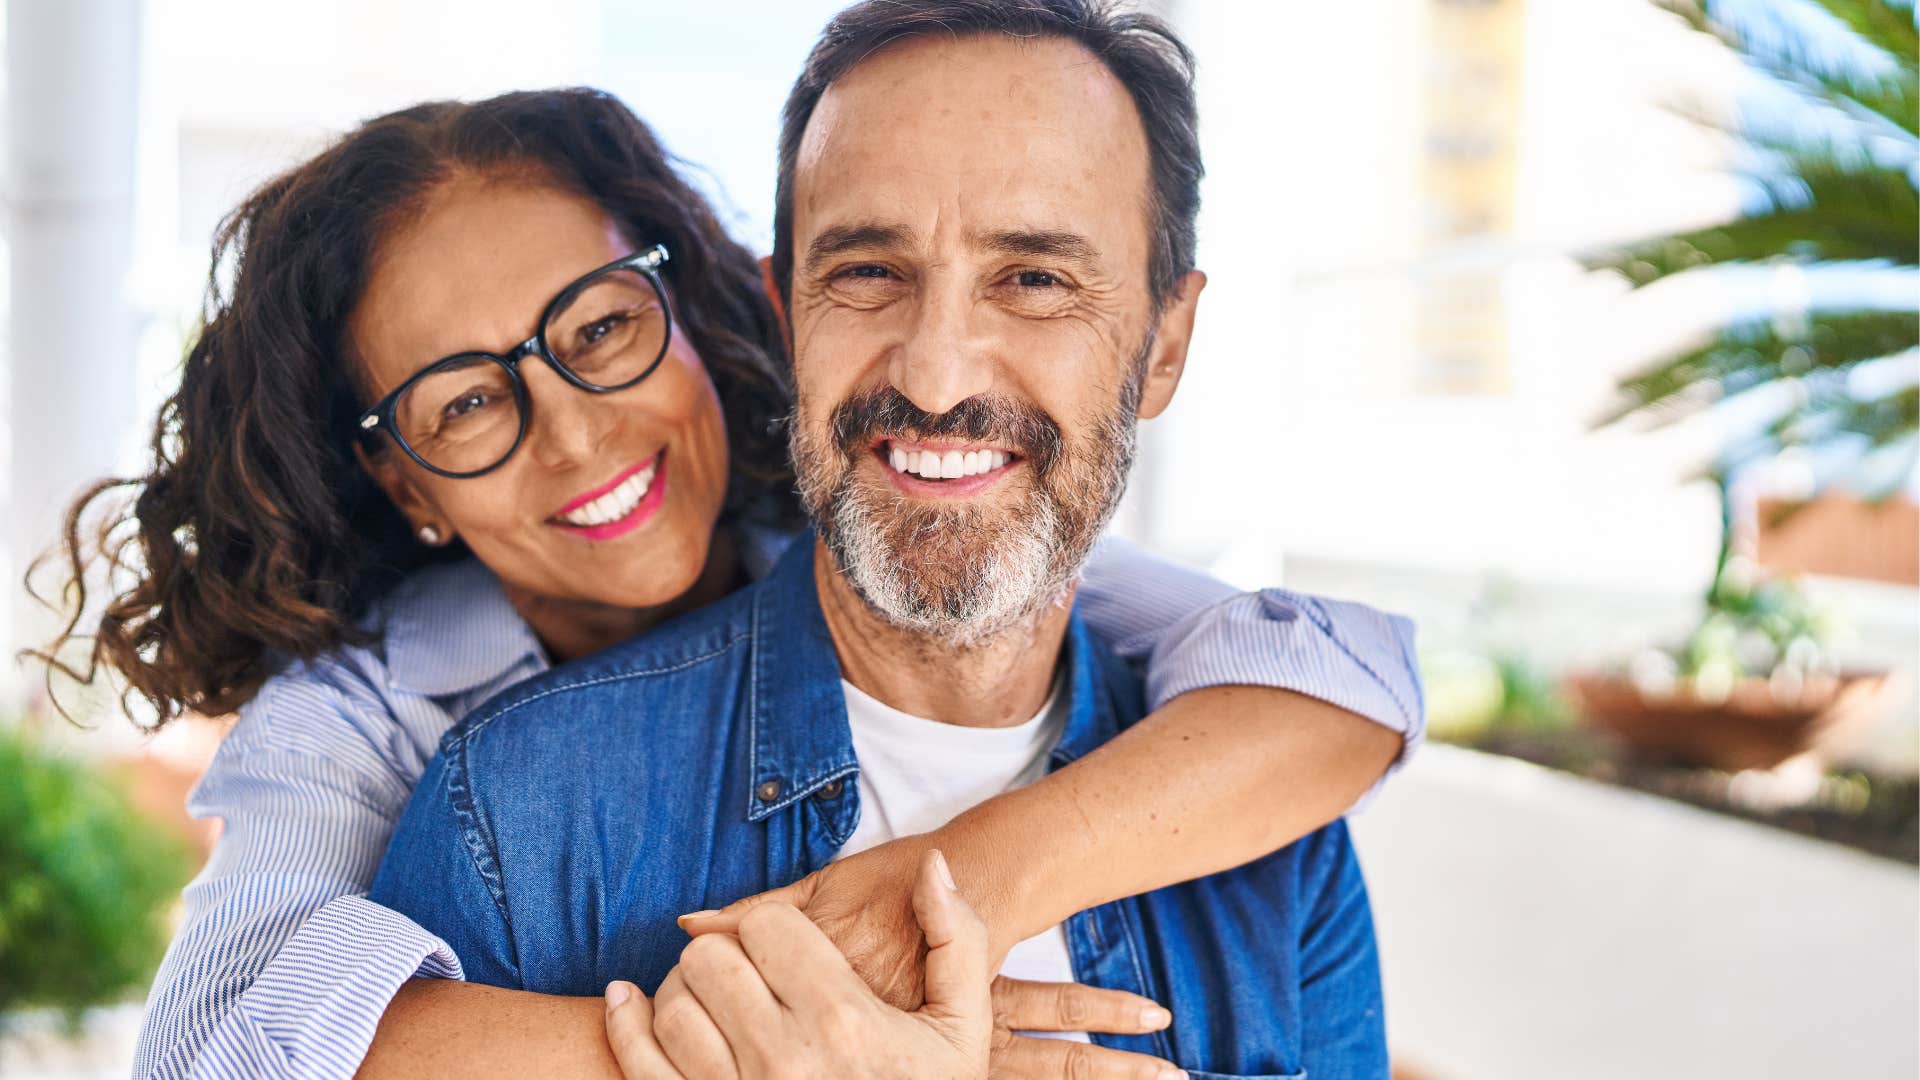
[615, 504]
[945, 465]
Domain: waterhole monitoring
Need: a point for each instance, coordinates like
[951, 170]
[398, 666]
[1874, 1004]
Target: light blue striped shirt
[282, 968]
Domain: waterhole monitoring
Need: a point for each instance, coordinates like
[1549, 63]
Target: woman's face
[572, 516]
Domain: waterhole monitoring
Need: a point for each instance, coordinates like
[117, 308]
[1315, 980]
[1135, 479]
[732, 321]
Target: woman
[331, 543]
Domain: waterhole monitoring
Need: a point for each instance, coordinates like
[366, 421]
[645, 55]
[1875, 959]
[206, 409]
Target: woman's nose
[568, 425]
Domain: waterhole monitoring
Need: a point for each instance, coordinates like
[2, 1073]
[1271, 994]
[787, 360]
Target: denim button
[769, 791]
[831, 789]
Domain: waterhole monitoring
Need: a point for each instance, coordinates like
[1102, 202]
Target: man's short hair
[1141, 51]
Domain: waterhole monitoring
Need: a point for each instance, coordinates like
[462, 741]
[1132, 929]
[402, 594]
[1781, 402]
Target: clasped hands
[875, 966]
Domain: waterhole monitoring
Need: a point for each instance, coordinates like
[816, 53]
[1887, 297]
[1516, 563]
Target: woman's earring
[428, 534]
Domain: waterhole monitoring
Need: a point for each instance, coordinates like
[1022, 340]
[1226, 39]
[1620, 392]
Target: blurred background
[1582, 331]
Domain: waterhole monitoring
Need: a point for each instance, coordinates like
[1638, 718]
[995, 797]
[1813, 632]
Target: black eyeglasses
[464, 416]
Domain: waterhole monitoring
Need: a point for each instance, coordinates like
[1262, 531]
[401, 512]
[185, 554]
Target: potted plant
[1753, 687]
[1832, 203]
[85, 887]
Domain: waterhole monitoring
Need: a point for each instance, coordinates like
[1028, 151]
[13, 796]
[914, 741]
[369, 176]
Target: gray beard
[946, 574]
[983, 593]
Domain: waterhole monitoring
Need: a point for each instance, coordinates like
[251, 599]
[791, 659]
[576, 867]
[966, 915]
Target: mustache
[885, 412]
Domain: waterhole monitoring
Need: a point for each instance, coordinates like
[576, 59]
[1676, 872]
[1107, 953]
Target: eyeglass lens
[464, 416]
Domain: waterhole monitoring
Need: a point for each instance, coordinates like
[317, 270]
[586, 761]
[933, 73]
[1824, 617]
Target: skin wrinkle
[1031, 241]
[1099, 305]
[920, 228]
[521, 242]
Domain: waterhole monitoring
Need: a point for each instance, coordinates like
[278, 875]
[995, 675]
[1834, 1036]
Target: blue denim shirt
[563, 826]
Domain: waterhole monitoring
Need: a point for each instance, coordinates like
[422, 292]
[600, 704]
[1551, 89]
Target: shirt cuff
[1343, 653]
[313, 1011]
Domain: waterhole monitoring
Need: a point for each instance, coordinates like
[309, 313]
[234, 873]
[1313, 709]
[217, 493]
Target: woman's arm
[271, 923]
[1193, 632]
[281, 968]
[1276, 713]
[1216, 778]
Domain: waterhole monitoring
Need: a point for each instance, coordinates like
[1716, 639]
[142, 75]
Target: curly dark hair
[255, 538]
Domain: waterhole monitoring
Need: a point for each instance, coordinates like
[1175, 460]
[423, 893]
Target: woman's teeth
[946, 465]
[615, 504]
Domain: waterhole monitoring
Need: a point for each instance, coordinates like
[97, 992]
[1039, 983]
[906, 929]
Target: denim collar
[797, 711]
[1091, 670]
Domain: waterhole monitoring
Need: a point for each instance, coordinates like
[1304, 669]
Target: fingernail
[1153, 1018]
[617, 994]
[1172, 1074]
[946, 872]
[708, 914]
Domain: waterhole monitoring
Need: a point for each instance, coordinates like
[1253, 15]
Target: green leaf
[1888, 97]
[1886, 26]
[1847, 195]
[1754, 353]
[85, 884]
[1823, 207]
[1883, 421]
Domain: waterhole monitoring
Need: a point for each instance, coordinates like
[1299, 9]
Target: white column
[72, 90]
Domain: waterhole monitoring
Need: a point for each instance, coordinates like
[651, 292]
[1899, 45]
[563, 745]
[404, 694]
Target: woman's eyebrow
[467, 358]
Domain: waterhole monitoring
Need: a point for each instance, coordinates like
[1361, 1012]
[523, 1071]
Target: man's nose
[568, 424]
[945, 358]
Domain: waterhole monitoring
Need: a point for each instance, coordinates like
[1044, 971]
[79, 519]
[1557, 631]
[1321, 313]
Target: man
[986, 253]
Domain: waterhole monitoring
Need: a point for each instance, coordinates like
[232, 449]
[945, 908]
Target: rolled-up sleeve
[1193, 631]
[312, 1010]
[280, 968]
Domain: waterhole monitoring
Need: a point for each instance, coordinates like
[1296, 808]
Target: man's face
[972, 326]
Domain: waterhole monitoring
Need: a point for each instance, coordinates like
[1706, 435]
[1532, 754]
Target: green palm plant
[1832, 191]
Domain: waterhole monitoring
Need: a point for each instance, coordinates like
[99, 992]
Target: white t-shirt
[916, 775]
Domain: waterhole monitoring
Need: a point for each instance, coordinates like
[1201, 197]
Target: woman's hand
[779, 1000]
[1020, 1005]
[864, 905]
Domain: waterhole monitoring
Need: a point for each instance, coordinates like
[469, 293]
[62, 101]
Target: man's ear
[1168, 358]
[772, 289]
[392, 478]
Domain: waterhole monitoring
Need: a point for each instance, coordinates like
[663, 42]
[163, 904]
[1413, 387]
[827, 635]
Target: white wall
[1532, 925]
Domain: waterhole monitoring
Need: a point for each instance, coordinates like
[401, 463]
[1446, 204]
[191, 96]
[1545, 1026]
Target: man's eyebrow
[1050, 243]
[844, 238]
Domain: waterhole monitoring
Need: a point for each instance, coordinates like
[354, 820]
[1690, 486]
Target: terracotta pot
[1753, 728]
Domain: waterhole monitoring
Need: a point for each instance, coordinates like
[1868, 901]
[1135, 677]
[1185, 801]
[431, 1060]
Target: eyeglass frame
[381, 416]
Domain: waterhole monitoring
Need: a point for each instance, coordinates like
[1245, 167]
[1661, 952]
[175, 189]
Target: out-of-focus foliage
[1471, 694]
[1489, 681]
[84, 884]
[1757, 625]
[1833, 188]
